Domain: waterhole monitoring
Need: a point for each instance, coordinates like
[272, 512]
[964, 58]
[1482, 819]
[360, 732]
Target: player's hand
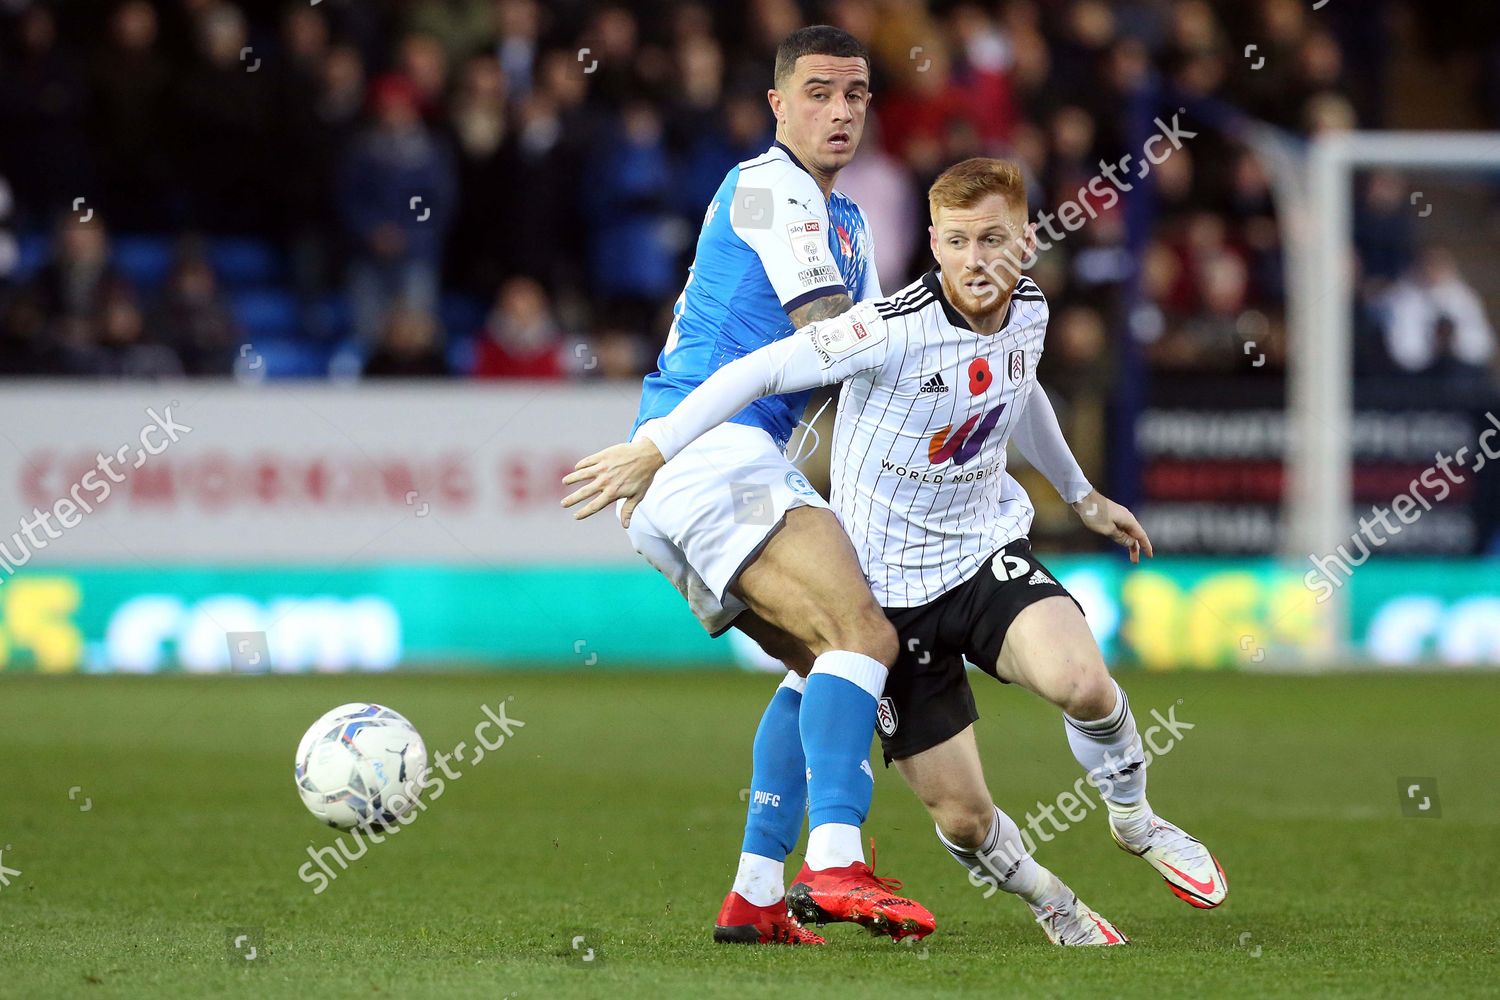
[1105, 517]
[621, 471]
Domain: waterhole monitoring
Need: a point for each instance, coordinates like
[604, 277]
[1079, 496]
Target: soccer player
[740, 531]
[938, 377]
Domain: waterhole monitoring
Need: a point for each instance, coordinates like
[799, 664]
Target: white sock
[833, 845]
[1110, 751]
[1003, 860]
[761, 881]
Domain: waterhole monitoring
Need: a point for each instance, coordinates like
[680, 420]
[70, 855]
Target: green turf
[615, 815]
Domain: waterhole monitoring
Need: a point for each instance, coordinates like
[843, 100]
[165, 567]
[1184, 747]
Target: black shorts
[927, 698]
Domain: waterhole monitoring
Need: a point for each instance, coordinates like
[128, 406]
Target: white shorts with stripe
[709, 512]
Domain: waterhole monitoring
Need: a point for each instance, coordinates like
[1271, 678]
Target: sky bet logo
[966, 442]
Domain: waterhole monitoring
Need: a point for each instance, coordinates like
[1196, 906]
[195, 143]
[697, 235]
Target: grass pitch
[153, 820]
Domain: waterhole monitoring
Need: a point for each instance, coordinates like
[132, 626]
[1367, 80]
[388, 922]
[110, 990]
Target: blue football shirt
[770, 244]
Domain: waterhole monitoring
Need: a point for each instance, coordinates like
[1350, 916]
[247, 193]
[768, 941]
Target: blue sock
[778, 782]
[838, 723]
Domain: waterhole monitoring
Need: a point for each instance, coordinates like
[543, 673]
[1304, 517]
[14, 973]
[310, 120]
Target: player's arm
[818, 310]
[814, 356]
[1040, 440]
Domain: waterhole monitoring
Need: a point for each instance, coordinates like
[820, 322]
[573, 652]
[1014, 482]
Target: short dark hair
[816, 40]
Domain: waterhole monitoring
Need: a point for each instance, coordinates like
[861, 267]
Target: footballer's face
[820, 113]
[979, 251]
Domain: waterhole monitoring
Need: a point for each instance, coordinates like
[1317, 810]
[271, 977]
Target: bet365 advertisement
[1172, 614]
[213, 528]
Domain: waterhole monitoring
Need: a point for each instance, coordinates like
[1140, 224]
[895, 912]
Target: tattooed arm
[827, 307]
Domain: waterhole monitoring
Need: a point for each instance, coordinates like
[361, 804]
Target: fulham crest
[885, 717]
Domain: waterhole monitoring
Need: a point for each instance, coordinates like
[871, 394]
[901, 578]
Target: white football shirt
[919, 447]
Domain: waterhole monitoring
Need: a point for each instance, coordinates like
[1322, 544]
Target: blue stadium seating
[266, 314]
[34, 249]
[290, 359]
[460, 315]
[243, 263]
[146, 260]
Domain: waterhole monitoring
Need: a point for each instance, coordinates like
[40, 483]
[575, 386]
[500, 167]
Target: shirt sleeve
[1041, 443]
[781, 214]
[819, 354]
[870, 287]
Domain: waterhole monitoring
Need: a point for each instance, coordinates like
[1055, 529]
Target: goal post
[1319, 254]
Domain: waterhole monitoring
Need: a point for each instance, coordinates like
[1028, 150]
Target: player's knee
[964, 824]
[1088, 693]
[869, 632]
[862, 628]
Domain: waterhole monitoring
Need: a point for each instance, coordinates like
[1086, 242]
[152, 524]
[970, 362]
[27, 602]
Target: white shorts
[709, 512]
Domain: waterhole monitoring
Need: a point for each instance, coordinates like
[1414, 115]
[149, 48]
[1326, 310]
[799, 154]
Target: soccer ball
[360, 765]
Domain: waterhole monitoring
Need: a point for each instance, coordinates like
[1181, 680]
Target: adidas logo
[934, 384]
[1038, 577]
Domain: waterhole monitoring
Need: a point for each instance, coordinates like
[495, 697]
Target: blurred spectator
[194, 320]
[1436, 323]
[10, 248]
[479, 121]
[397, 193]
[44, 97]
[577, 143]
[131, 91]
[521, 338]
[614, 354]
[884, 189]
[309, 136]
[25, 347]
[1385, 228]
[117, 345]
[72, 283]
[740, 131]
[519, 23]
[632, 262]
[341, 95]
[422, 60]
[409, 347]
[462, 27]
[223, 116]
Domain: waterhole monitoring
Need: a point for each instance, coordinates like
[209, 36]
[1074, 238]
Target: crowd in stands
[513, 188]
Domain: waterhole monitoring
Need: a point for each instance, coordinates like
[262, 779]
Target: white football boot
[1190, 871]
[1072, 924]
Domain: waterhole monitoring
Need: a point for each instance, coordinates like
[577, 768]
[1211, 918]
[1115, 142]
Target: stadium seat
[291, 358]
[461, 353]
[34, 250]
[331, 318]
[146, 260]
[243, 263]
[460, 315]
[266, 314]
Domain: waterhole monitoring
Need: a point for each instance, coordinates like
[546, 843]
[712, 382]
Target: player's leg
[949, 780]
[1049, 650]
[754, 910]
[806, 581]
[734, 527]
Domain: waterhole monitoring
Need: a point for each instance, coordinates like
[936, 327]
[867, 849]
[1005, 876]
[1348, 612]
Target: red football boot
[742, 922]
[855, 894]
